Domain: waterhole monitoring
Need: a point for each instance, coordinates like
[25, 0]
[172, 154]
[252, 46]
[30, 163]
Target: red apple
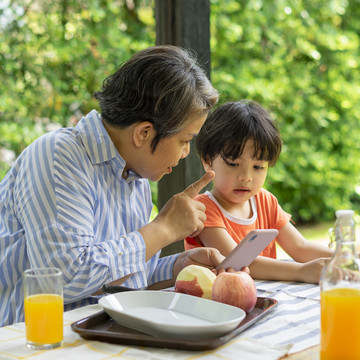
[195, 280]
[237, 289]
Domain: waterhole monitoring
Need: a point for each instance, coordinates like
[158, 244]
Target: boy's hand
[311, 271]
[232, 270]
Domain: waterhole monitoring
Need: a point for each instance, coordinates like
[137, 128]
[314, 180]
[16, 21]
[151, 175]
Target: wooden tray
[102, 327]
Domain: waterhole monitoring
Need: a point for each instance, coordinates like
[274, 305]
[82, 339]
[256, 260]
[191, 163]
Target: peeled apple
[195, 280]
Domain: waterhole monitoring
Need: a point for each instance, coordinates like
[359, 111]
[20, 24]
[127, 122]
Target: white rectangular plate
[172, 315]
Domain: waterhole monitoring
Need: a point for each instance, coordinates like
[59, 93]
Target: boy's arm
[217, 238]
[300, 249]
[264, 268]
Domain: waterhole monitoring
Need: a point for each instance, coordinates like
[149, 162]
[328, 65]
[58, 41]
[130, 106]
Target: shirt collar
[98, 144]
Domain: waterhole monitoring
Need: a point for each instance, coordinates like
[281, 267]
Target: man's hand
[204, 256]
[207, 257]
[183, 216]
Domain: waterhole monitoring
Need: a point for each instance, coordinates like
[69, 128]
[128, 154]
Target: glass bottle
[340, 294]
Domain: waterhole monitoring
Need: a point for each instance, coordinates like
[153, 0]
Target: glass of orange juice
[44, 307]
[340, 324]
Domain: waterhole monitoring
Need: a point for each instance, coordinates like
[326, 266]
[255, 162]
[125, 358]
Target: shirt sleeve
[164, 269]
[57, 212]
[270, 213]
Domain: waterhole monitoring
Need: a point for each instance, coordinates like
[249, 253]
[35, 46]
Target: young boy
[239, 141]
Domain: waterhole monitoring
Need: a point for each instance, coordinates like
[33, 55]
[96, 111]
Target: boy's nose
[244, 176]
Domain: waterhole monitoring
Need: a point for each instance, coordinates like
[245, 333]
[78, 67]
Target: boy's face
[236, 181]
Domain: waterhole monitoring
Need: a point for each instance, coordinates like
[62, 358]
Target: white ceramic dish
[172, 315]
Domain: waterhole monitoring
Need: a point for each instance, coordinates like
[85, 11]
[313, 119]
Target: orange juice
[44, 318]
[340, 324]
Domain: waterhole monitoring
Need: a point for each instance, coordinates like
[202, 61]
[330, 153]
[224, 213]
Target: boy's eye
[229, 163]
[260, 167]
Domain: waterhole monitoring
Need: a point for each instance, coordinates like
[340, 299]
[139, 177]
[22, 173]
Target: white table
[293, 326]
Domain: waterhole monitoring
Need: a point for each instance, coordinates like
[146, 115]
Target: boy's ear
[143, 132]
[206, 164]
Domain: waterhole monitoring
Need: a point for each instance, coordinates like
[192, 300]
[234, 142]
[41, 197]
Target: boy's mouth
[241, 191]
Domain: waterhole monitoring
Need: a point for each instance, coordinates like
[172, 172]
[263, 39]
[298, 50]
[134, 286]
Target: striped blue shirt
[64, 203]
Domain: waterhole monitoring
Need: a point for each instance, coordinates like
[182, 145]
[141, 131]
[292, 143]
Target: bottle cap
[344, 213]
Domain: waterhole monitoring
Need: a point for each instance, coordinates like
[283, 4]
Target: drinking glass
[44, 307]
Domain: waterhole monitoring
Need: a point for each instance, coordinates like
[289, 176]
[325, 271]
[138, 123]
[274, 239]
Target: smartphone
[248, 249]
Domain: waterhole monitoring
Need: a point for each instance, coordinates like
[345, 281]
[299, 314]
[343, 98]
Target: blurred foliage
[298, 58]
[54, 54]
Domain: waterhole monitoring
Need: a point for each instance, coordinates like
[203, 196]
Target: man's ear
[143, 132]
[206, 164]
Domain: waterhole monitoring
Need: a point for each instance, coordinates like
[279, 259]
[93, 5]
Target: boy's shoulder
[265, 195]
[208, 199]
[203, 197]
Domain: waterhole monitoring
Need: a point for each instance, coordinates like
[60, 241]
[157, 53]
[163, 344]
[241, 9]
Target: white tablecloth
[293, 326]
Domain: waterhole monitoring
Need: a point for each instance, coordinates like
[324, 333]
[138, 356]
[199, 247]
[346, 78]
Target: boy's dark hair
[229, 127]
[162, 85]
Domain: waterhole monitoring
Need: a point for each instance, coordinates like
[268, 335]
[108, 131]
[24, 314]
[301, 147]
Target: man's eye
[258, 167]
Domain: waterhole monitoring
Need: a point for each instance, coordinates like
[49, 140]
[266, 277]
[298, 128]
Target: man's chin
[156, 178]
[159, 176]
